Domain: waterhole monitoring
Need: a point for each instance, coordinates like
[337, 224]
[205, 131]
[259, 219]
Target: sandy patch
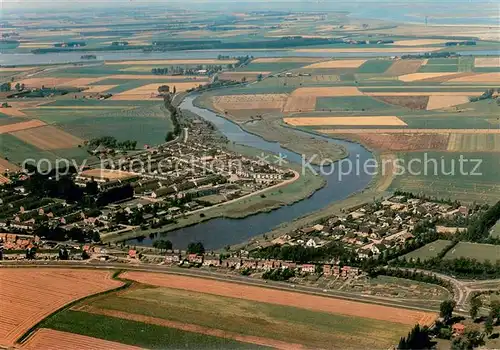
[375, 49]
[403, 67]
[31, 294]
[347, 120]
[173, 62]
[487, 62]
[276, 344]
[258, 101]
[13, 112]
[47, 339]
[419, 42]
[106, 174]
[421, 76]
[336, 64]
[48, 138]
[437, 102]
[99, 88]
[478, 78]
[280, 297]
[4, 129]
[287, 59]
[150, 91]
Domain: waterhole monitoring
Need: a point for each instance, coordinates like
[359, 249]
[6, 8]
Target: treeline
[174, 116]
[111, 142]
[187, 71]
[301, 254]
[479, 229]
[411, 275]
[444, 54]
[417, 338]
[485, 96]
[460, 43]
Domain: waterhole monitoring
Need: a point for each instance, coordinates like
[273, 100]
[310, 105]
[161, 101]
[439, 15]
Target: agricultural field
[480, 252]
[32, 294]
[428, 251]
[183, 310]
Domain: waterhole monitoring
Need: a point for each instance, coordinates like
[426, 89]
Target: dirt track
[310, 302]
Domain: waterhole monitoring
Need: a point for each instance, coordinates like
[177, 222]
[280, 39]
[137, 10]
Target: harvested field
[336, 64]
[375, 49]
[310, 302]
[493, 77]
[422, 76]
[58, 82]
[48, 138]
[326, 91]
[447, 78]
[51, 339]
[258, 101]
[419, 42]
[474, 143]
[437, 102]
[347, 120]
[300, 104]
[398, 141]
[30, 295]
[172, 62]
[15, 69]
[150, 91]
[200, 78]
[6, 166]
[412, 131]
[486, 62]
[4, 129]
[195, 328]
[107, 174]
[99, 88]
[13, 112]
[412, 102]
[403, 67]
[287, 59]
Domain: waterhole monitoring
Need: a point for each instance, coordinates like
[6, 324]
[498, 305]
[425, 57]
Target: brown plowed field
[280, 297]
[412, 102]
[400, 141]
[48, 137]
[403, 67]
[13, 112]
[49, 339]
[156, 77]
[410, 131]
[28, 295]
[195, 328]
[54, 82]
[4, 129]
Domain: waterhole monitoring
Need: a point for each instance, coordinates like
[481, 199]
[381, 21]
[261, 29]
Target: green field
[431, 68]
[271, 66]
[447, 122]
[460, 185]
[135, 333]
[495, 231]
[480, 252]
[428, 251]
[350, 103]
[311, 328]
[375, 66]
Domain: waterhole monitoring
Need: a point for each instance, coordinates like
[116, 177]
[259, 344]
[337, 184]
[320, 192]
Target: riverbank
[272, 129]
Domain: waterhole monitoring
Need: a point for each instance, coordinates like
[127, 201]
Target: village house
[195, 258]
[233, 263]
[172, 258]
[327, 270]
[249, 264]
[458, 329]
[308, 268]
[211, 260]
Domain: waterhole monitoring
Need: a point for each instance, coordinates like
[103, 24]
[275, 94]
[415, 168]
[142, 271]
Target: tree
[459, 343]
[196, 248]
[17, 87]
[475, 304]
[446, 309]
[488, 325]
[474, 339]
[417, 338]
[495, 309]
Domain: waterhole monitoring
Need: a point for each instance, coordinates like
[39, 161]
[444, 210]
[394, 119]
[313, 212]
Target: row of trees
[479, 229]
[485, 96]
[111, 142]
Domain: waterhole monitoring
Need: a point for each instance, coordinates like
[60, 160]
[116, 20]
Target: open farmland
[308, 302]
[443, 101]
[428, 251]
[442, 76]
[48, 138]
[351, 103]
[480, 252]
[411, 102]
[4, 129]
[193, 62]
[336, 64]
[150, 91]
[419, 42]
[403, 67]
[29, 295]
[58, 82]
[106, 174]
[474, 143]
[486, 62]
[51, 339]
[13, 112]
[347, 120]
[386, 141]
[304, 99]
[258, 101]
[6, 166]
[287, 60]
[493, 77]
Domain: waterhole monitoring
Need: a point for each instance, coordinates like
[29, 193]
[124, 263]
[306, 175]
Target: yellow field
[150, 91]
[99, 88]
[443, 101]
[326, 91]
[478, 78]
[35, 45]
[336, 64]
[261, 101]
[474, 143]
[287, 59]
[487, 62]
[172, 62]
[106, 174]
[419, 42]
[15, 69]
[347, 120]
[421, 76]
[13, 112]
[4, 129]
[156, 77]
[54, 82]
[375, 49]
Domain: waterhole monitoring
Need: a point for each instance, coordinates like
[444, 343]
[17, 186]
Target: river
[219, 232]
